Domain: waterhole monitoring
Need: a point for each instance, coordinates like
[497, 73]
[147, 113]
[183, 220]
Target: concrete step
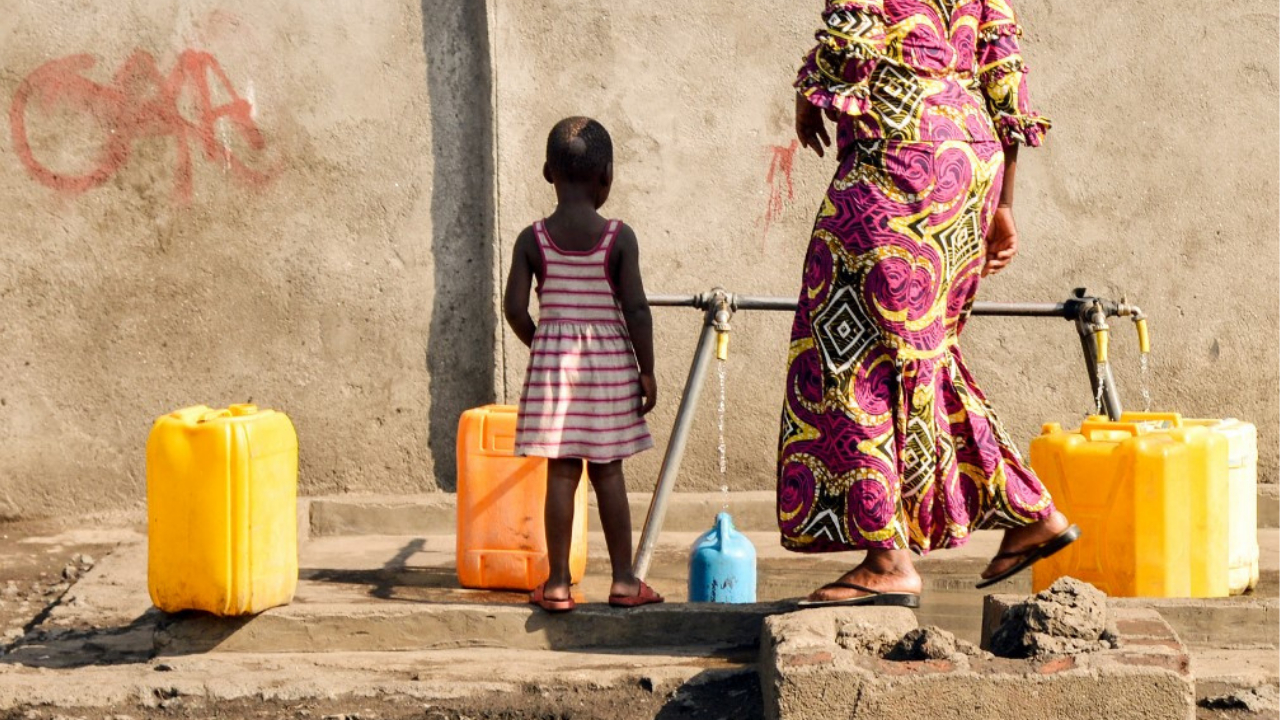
[380, 593]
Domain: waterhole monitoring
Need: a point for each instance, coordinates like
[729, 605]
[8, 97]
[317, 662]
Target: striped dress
[581, 396]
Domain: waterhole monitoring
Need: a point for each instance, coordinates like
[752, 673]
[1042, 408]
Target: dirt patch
[39, 561]
[1069, 618]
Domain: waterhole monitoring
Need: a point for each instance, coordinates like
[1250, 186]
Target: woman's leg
[615, 519]
[562, 484]
[1021, 539]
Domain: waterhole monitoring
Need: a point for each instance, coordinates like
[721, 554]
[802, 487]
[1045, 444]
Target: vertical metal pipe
[675, 447]
[1110, 396]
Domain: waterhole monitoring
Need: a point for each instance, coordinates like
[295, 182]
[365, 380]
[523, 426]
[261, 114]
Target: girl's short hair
[579, 149]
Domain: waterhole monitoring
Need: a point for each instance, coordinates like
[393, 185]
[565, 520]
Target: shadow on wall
[460, 347]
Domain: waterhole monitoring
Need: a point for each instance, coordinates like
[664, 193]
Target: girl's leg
[880, 570]
[562, 483]
[615, 518]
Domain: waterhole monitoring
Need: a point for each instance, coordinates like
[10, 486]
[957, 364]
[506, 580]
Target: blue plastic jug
[722, 565]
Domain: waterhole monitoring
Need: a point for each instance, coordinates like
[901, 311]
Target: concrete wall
[332, 246]
[322, 254]
[1158, 182]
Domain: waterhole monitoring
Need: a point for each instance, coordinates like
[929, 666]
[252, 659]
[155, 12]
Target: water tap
[1140, 322]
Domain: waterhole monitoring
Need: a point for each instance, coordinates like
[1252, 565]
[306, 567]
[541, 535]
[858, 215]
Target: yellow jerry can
[501, 497]
[1210, 498]
[1129, 490]
[222, 510]
[1242, 500]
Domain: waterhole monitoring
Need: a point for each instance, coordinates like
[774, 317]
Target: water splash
[1145, 382]
[721, 447]
[1102, 387]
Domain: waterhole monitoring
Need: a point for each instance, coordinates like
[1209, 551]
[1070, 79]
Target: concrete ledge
[412, 626]
[428, 514]
[807, 674]
[1235, 621]
[436, 513]
[1269, 506]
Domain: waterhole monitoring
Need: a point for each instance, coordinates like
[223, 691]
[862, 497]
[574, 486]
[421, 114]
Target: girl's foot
[877, 573]
[557, 590]
[625, 586]
[1019, 540]
[643, 595]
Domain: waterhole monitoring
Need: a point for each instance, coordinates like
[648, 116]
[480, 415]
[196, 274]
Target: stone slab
[806, 675]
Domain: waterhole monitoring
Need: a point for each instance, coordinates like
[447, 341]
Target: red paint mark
[780, 163]
[139, 102]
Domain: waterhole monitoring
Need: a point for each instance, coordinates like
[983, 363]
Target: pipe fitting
[1101, 332]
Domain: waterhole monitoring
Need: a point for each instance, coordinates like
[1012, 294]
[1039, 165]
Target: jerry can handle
[243, 409]
[1174, 419]
[1091, 427]
[214, 415]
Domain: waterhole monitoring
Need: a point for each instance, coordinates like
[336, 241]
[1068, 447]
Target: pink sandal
[538, 597]
[644, 596]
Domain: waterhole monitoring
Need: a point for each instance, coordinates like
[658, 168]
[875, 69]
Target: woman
[887, 444]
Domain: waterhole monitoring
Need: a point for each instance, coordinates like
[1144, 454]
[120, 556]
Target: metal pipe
[675, 447]
[1110, 396]
[749, 302]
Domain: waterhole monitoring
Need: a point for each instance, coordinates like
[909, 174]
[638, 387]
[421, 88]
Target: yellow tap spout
[722, 345]
[1144, 336]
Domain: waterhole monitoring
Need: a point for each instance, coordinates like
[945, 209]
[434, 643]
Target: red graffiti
[780, 164]
[139, 102]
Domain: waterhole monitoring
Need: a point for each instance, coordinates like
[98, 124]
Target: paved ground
[92, 653]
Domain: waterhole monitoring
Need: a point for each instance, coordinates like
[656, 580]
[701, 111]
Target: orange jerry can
[222, 518]
[1129, 490]
[501, 537]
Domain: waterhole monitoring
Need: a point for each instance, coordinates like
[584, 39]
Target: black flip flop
[1032, 555]
[873, 597]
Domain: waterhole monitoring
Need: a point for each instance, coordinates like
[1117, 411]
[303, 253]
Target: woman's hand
[810, 127]
[1002, 241]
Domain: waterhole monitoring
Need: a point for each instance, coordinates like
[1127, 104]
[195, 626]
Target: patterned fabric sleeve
[836, 74]
[1003, 76]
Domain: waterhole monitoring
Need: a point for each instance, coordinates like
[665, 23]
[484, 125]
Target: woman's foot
[885, 571]
[1019, 540]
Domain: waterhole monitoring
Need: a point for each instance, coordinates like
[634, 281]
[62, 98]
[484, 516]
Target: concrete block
[1241, 621]
[806, 672]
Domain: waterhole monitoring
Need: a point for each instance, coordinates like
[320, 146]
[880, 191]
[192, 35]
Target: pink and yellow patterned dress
[887, 441]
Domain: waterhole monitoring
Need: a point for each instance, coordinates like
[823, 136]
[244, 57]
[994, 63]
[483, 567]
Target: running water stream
[724, 457]
[1145, 381]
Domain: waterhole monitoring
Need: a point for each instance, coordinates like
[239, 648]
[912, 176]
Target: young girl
[584, 397]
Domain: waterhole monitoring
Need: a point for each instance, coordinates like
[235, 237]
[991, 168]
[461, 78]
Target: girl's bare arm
[635, 309]
[515, 303]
